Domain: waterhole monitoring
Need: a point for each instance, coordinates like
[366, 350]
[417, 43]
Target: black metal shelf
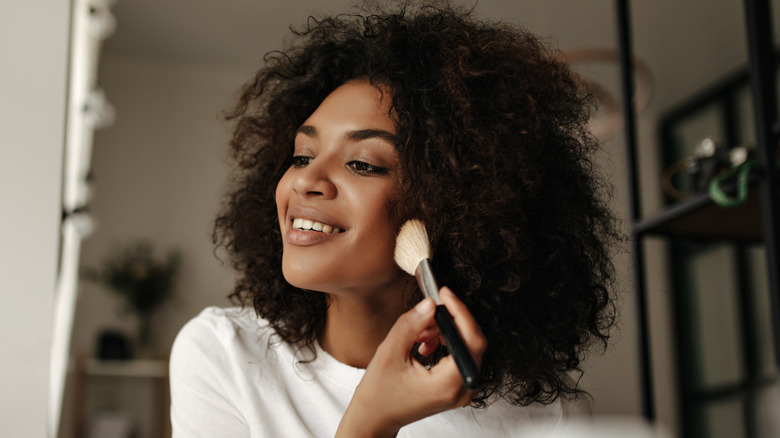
[729, 391]
[699, 218]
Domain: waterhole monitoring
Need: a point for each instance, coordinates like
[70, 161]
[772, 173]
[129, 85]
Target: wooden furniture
[109, 384]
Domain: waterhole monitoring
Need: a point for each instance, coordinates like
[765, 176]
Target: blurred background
[153, 148]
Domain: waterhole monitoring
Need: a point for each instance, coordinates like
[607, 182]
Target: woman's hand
[396, 389]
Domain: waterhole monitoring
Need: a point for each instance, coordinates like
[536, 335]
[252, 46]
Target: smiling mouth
[309, 225]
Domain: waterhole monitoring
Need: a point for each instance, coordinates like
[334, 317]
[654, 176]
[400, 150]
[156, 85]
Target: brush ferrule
[426, 280]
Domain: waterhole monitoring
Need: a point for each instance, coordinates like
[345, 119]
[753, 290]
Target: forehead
[357, 105]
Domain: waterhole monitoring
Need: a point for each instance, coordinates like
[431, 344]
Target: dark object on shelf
[709, 158]
[113, 345]
[700, 218]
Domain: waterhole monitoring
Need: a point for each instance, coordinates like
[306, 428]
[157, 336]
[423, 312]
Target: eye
[363, 168]
[300, 161]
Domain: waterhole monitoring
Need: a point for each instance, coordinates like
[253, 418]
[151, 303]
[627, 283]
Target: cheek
[382, 236]
[398, 211]
[280, 196]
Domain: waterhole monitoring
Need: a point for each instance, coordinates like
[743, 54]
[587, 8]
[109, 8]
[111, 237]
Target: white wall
[34, 49]
[169, 143]
[159, 172]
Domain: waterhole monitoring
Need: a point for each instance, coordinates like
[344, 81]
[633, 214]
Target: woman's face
[332, 202]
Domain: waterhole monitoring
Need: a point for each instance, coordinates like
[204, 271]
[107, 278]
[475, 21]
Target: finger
[428, 347]
[405, 331]
[429, 340]
[429, 333]
[466, 324]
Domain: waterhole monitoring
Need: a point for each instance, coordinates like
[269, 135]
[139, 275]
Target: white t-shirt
[232, 377]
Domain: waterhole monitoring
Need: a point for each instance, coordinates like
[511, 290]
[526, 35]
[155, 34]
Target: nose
[315, 180]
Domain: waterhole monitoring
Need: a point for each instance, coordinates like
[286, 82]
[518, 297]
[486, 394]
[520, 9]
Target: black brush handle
[464, 361]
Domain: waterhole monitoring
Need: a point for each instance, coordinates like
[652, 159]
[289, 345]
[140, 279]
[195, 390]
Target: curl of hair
[496, 159]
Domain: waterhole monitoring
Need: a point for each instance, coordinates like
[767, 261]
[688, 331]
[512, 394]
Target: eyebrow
[356, 135]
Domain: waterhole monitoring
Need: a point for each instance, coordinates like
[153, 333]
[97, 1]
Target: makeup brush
[413, 255]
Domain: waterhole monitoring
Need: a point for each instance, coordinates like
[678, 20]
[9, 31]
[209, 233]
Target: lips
[308, 226]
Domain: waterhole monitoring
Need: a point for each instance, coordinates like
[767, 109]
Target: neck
[355, 327]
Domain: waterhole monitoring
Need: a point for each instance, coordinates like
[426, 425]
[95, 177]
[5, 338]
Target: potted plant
[141, 280]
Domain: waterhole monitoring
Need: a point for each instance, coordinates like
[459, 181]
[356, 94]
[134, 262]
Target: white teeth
[305, 224]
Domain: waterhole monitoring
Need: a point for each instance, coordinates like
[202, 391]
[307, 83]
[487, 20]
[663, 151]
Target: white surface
[74, 227]
[34, 47]
[91, 22]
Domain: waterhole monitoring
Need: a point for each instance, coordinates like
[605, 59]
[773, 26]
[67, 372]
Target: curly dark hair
[496, 158]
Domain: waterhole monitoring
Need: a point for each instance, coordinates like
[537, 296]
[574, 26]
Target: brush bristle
[412, 246]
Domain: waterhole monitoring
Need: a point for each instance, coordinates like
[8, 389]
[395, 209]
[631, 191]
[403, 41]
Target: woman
[474, 128]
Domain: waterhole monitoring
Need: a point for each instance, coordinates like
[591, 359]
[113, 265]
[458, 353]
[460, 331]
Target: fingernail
[424, 307]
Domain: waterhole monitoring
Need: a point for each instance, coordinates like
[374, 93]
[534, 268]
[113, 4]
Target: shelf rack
[155, 371]
[141, 368]
[699, 217]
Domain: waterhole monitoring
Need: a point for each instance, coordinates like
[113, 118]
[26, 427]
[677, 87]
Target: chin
[303, 278]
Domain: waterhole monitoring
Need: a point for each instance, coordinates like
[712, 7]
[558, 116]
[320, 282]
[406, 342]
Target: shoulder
[576, 407]
[220, 319]
[219, 334]
[223, 324]
[206, 376]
